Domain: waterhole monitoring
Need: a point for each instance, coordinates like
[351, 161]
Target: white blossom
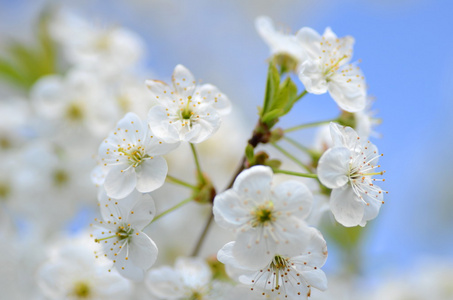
[120, 233]
[75, 101]
[328, 69]
[131, 158]
[348, 168]
[263, 216]
[291, 272]
[72, 272]
[185, 112]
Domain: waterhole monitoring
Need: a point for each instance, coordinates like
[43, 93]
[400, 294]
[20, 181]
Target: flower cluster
[131, 164]
[275, 249]
[268, 238]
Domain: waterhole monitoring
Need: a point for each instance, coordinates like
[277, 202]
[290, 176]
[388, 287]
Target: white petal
[348, 89]
[160, 125]
[129, 270]
[344, 136]
[211, 94]
[160, 91]
[165, 283]
[142, 251]
[183, 81]
[333, 167]
[131, 128]
[310, 40]
[312, 77]
[194, 271]
[151, 174]
[225, 255]
[252, 250]
[229, 210]
[329, 34]
[204, 127]
[120, 181]
[254, 183]
[142, 211]
[346, 207]
[292, 197]
[279, 42]
[316, 278]
[154, 146]
[312, 250]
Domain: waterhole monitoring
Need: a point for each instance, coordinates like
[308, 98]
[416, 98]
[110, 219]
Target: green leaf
[25, 64]
[272, 86]
[10, 72]
[269, 117]
[249, 153]
[290, 89]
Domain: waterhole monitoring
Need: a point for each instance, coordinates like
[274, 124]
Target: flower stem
[185, 201]
[301, 147]
[197, 163]
[308, 175]
[290, 156]
[308, 125]
[203, 235]
[301, 95]
[180, 182]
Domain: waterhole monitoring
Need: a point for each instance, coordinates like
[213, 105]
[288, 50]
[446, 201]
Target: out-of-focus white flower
[75, 101]
[263, 216]
[186, 112]
[189, 279]
[15, 115]
[285, 45]
[131, 158]
[291, 272]
[105, 50]
[47, 187]
[72, 272]
[348, 168]
[365, 121]
[120, 233]
[328, 69]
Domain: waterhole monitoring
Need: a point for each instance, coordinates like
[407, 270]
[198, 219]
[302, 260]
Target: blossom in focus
[131, 158]
[328, 69]
[290, 273]
[72, 272]
[120, 233]
[185, 112]
[348, 169]
[262, 216]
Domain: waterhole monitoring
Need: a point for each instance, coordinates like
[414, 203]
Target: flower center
[123, 232]
[81, 290]
[5, 143]
[196, 296]
[263, 215]
[186, 114]
[60, 177]
[75, 112]
[135, 155]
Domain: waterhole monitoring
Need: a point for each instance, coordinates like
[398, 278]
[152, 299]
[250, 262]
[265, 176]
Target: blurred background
[406, 53]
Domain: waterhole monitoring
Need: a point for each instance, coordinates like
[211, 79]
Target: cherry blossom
[185, 112]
